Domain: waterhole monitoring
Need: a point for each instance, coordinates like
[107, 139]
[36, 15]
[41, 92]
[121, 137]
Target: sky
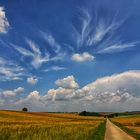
[70, 55]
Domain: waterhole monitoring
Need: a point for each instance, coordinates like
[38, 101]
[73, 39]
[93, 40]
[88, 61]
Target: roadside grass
[127, 130]
[99, 133]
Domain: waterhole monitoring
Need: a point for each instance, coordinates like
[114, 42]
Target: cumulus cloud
[4, 24]
[12, 93]
[68, 82]
[19, 90]
[82, 57]
[118, 92]
[32, 80]
[33, 94]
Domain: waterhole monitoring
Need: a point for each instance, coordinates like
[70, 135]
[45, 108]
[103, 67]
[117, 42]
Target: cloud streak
[118, 47]
[54, 68]
[38, 58]
[99, 34]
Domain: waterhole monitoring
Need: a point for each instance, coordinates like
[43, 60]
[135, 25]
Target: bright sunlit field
[49, 126]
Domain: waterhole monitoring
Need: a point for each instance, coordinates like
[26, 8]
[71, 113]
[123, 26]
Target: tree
[83, 113]
[116, 114]
[24, 109]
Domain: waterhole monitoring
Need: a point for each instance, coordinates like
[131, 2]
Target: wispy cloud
[117, 47]
[56, 47]
[54, 68]
[38, 57]
[4, 24]
[10, 71]
[99, 34]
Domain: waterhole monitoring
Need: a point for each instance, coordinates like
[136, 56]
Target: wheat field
[49, 126]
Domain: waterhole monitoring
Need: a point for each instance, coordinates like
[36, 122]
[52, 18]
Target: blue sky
[80, 40]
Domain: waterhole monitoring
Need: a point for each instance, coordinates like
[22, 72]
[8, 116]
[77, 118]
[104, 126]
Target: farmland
[49, 126]
[130, 124]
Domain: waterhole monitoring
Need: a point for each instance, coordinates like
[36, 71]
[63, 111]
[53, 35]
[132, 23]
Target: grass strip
[99, 132]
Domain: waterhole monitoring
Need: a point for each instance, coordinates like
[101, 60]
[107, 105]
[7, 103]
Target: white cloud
[82, 57]
[118, 47]
[34, 52]
[112, 93]
[4, 24]
[51, 41]
[59, 94]
[9, 93]
[19, 90]
[12, 93]
[54, 68]
[33, 95]
[10, 71]
[32, 80]
[119, 92]
[68, 82]
[99, 34]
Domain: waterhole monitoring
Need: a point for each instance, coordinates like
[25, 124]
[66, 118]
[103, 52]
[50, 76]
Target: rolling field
[49, 126]
[130, 124]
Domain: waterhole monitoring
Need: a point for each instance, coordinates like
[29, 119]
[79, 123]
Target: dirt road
[115, 133]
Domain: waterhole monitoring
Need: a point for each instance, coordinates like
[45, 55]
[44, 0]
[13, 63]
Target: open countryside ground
[130, 124]
[49, 126]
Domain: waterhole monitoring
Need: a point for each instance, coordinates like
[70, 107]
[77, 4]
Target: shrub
[24, 109]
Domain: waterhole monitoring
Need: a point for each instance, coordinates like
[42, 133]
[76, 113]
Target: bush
[24, 109]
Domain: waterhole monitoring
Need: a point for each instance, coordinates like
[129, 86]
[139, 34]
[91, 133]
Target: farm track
[115, 133]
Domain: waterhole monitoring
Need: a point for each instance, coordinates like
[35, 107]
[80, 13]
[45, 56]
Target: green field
[50, 126]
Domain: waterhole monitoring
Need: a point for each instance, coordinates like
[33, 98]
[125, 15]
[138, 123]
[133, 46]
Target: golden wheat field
[49, 126]
[132, 122]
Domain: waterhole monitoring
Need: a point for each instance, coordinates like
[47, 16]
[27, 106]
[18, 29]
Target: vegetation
[49, 126]
[100, 131]
[105, 115]
[130, 124]
[85, 113]
[24, 109]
